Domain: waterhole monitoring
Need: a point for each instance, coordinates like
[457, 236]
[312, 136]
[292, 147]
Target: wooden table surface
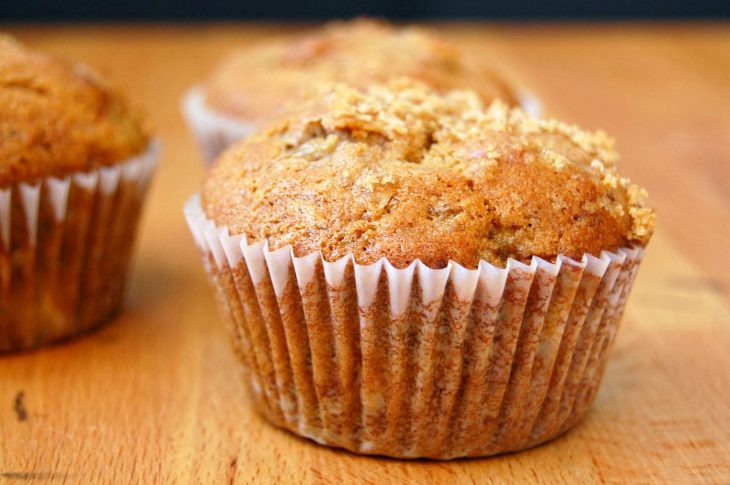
[154, 396]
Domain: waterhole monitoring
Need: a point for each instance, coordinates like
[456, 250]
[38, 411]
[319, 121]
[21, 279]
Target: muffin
[74, 166]
[415, 274]
[257, 84]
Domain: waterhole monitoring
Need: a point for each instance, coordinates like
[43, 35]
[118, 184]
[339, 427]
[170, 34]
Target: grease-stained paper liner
[214, 132]
[65, 245]
[417, 362]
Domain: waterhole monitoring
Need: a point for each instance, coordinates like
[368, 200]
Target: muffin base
[65, 247]
[417, 362]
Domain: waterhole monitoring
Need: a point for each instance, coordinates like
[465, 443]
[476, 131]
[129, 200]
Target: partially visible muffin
[404, 173]
[74, 162]
[57, 117]
[417, 274]
[254, 85]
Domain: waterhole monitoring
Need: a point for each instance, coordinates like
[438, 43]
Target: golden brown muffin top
[402, 172]
[258, 84]
[57, 118]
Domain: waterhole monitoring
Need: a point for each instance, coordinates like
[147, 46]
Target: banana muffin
[74, 163]
[254, 85]
[418, 274]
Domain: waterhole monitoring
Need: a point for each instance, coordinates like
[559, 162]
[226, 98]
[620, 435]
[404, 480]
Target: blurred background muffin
[259, 83]
[74, 166]
[437, 277]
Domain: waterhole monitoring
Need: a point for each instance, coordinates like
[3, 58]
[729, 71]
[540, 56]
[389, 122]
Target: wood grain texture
[155, 398]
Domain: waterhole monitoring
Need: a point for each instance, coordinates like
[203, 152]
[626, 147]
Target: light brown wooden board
[155, 396]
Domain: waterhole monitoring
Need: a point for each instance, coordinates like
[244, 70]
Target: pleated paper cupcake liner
[65, 246]
[417, 362]
[214, 132]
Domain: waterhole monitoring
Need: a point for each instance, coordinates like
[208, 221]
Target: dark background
[50, 10]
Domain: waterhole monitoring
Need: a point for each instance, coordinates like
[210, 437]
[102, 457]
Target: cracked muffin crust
[57, 118]
[402, 172]
[259, 84]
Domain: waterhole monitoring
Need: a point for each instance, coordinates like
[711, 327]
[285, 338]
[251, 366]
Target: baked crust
[258, 84]
[402, 172]
[57, 118]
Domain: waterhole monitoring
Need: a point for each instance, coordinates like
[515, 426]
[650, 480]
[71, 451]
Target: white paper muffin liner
[214, 132]
[417, 362]
[65, 246]
[530, 104]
